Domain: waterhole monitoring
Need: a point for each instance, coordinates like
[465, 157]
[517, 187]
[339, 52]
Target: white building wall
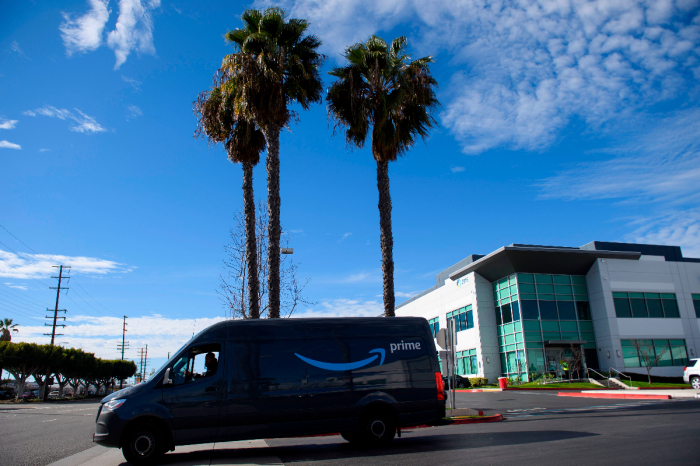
[452, 296]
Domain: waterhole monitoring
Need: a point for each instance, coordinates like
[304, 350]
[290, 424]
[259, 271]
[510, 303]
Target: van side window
[200, 362]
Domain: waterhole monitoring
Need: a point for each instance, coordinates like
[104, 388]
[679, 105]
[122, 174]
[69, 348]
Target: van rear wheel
[143, 445]
[377, 428]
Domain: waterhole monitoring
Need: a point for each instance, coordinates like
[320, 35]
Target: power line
[18, 240]
[14, 294]
[106, 308]
[16, 312]
[85, 300]
[19, 305]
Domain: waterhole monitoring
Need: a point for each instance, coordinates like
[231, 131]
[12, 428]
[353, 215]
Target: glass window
[511, 280]
[513, 290]
[578, 280]
[531, 325]
[630, 356]
[530, 310]
[586, 326]
[566, 310]
[619, 294]
[470, 319]
[567, 326]
[474, 369]
[551, 336]
[696, 303]
[526, 288]
[198, 363]
[533, 336]
[670, 307]
[548, 310]
[588, 336]
[569, 335]
[584, 310]
[498, 316]
[661, 348]
[516, 310]
[654, 307]
[541, 289]
[563, 289]
[505, 312]
[550, 326]
[639, 309]
[463, 321]
[680, 357]
[546, 297]
[543, 278]
[561, 280]
[535, 361]
[580, 289]
[622, 307]
[526, 278]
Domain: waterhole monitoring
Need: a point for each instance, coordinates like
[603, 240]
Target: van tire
[143, 445]
[376, 427]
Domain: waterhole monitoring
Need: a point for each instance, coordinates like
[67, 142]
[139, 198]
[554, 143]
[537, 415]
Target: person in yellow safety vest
[565, 368]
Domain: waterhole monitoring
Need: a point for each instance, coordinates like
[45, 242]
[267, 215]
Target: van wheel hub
[377, 428]
[143, 445]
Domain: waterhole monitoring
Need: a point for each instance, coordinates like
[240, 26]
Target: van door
[267, 394]
[194, 398]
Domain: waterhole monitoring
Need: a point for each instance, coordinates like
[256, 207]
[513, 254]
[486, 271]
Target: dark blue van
[248, 379]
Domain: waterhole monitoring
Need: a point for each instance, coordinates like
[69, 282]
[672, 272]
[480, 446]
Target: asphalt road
[541, 428]
[36, 434]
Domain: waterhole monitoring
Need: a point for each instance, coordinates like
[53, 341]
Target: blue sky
[562, 122]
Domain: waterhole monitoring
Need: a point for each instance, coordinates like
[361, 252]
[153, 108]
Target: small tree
[124, 369]
[648, 356]
[22, 360]
[234, 284]
[6, 327]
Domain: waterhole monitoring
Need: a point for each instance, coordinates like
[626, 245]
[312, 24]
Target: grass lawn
[658, 385]
[581, 385]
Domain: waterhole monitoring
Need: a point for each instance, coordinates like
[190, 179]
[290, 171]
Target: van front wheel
[377, 427]
[143, 445]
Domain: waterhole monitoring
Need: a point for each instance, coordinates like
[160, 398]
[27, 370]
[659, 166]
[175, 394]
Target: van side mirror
[166, 378]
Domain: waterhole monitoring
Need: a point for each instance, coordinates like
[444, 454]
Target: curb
[616, 395]
[559, 389]
[664, 388]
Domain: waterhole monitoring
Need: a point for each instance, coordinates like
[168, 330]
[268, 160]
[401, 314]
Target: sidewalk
[243, 453]
[639, 394]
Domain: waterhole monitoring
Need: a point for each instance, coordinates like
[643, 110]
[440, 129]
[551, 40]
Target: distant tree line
[68, 366]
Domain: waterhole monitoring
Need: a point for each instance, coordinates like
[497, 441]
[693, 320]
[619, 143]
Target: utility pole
[122, 347]
[141, 365]
[145, 360]
[56, 310]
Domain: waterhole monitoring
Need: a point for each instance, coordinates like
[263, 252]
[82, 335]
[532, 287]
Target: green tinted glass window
[567, 326]
[578, 280]
[510, 339]
[696, 304]
[535, 345]
[564, 297]
[635, 295]
[670, 307]
[507, 329]
[517, 327]
[543, 278]
[526, 288]
[587, 336]
[551, 336]
[569, 335]
[567, 310]
[548, 310]
[563, 289]
[581, 297]
[533, 336]
[618, 294]
[622, 307]
[654, 308]
[547, 297]
[528, 296]
[511, 280]
[561, 279]
[578, 289]
[518, 337]
[526, 278]
[630, 357]
[531, 325]
[513, 290]
[545, 289]
[502, 283]
[550, 326]
[584, 310]
[586, 326]
[639, 308]
[680, 357]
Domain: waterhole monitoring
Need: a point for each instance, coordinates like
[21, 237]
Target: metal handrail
[593, 370]
[624, 375]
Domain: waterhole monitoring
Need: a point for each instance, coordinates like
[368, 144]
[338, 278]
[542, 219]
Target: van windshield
[166, 362]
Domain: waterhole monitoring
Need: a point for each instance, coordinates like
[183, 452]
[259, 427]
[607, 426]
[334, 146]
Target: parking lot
[540, 428]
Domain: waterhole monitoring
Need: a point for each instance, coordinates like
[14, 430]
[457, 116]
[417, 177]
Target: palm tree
[382, 90]
[274, 65]
[6, 326]
[243, 142]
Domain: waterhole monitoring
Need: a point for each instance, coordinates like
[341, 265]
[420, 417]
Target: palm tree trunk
[251, 249]
[386, 239]
[272, 137]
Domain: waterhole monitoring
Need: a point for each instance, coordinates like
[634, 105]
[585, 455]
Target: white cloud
[17, 287]
[100, 335]
[457, 169]
[8, 124]
[345, 236]
[83, 123]
[23, 265]
[84, 34]
[531, 66]
[15, 48]
[674, 229]
[44, 150]
[343, 308]
[401, 294]
[662, 165]
[134, 29]
[9, 145]
[133, 112]
[132, 82]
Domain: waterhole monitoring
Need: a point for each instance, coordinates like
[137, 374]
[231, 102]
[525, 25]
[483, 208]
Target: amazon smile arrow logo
[344, 366]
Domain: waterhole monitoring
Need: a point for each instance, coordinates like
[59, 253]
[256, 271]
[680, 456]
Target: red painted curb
[494, 418]
[547, 388]
[616, 395]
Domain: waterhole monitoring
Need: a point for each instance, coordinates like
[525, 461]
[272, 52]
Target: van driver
[211, 365]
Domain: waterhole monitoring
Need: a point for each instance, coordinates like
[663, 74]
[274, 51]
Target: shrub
[478, 381]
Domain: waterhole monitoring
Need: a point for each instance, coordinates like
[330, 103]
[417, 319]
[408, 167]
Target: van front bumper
[108, 429]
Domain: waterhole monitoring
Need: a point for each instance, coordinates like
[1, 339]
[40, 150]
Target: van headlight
[113, 404]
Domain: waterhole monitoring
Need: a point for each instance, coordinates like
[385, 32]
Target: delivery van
[248, 379]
